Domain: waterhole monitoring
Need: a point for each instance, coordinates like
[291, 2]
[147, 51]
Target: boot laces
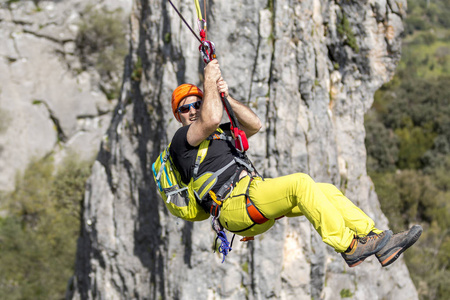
[368, 238]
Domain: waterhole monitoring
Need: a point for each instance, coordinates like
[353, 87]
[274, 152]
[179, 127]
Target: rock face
[309, 69]
[48, 105]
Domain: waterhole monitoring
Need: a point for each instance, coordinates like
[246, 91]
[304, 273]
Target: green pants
[333, 215]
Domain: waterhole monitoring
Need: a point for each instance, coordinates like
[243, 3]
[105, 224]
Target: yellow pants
[332, 214]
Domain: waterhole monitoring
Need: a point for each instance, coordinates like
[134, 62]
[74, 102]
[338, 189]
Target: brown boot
[363, 247]
[398, 244]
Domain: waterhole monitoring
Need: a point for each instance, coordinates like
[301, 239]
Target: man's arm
[211, 111]
[248, 120]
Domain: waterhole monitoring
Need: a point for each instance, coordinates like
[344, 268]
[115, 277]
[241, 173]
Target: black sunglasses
[185, 108]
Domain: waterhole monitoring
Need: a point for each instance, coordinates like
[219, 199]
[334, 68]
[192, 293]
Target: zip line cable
[181, 16]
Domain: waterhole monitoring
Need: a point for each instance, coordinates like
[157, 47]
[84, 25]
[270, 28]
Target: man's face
[189, 113]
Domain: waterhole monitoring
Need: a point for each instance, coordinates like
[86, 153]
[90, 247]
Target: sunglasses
[185, 108]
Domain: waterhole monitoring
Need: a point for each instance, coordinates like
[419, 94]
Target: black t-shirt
[220, 153]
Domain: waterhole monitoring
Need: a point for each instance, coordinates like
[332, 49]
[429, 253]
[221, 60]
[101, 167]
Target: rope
[181, 16]
[225, 246]
[199, 11]
[204, 8]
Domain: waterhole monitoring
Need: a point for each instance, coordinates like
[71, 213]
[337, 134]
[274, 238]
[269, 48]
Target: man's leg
[353, 216]
[279, 196]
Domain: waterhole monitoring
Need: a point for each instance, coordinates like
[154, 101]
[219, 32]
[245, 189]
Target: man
[253, 204]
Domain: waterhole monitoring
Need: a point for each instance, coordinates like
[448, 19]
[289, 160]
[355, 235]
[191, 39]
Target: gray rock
[51, 107]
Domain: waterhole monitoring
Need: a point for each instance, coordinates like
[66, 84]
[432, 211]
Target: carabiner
[208, 51]
[200, 29]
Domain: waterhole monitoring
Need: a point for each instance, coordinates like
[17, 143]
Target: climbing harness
[207, 50]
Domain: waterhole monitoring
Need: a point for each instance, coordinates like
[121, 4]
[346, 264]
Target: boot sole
[393, 257]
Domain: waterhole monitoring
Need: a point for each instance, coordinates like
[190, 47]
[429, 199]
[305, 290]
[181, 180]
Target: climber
[251, 204]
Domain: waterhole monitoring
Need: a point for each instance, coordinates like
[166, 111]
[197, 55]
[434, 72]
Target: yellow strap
[199, 11]
[202, 150]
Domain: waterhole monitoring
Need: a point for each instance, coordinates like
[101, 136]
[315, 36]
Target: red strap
[240, 139]
[254, 213]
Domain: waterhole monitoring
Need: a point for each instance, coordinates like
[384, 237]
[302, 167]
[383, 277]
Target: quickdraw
[207, 48]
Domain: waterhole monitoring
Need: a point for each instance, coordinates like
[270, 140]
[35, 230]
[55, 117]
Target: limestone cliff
[49, 103]
[309, 69]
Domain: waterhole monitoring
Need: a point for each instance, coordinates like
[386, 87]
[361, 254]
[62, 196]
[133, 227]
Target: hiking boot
[398, 244]
[363, 247]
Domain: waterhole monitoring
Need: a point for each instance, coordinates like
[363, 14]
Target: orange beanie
[182, 92]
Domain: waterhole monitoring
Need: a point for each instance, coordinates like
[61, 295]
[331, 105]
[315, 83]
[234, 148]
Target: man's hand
[222, 87]
[211, 111]
[212, 71]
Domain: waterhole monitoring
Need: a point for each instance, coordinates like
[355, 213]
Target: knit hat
[182, 92]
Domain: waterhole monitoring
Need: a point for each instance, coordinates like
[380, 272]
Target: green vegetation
[101, 44]
[245, 267]
[408, 145]
[39, 228]
[167, 38]
[345, 31]
[136, 75]
[346, 293]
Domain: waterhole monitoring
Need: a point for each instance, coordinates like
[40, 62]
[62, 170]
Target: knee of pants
[303, 180]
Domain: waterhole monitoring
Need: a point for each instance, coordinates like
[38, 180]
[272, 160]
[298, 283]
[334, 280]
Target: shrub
[39, 234]
[345, 30]
[101, 44]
